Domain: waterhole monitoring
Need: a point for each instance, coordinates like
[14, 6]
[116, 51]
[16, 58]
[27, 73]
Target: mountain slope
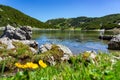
[9, 15]
[106, 22]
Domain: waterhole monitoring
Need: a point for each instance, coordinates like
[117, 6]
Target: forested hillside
[106, 22]
[9, 15]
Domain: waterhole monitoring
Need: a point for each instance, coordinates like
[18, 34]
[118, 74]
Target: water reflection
[77, 41]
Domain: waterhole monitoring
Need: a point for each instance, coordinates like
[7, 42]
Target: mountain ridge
[16, 18]
[107, 22]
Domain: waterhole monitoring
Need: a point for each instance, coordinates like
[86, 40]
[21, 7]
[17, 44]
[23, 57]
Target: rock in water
[114, 43]
[22, 33]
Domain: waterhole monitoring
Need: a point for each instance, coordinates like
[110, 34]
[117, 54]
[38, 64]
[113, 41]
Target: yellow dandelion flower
[29, 64]
[24, 66]
[42, 64]
[18, 65]
[34, 66]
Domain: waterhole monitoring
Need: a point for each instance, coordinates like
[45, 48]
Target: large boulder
[22, 33]
[66, 52]
[114, 43]
[33, 45]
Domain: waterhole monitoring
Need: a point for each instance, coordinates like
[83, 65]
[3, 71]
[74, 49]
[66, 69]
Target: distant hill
[87, 23]
[9, 15]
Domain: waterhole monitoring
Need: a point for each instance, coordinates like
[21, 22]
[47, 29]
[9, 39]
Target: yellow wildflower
[27, 65]
[18, 65]
[34, 66]
[31, 65]
[24, 66]
[42, 64]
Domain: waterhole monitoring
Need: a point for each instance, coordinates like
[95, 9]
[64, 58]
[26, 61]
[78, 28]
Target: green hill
[87, 23]
[9, 15]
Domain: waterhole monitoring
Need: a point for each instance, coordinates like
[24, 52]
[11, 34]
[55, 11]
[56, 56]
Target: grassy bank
[80, 67]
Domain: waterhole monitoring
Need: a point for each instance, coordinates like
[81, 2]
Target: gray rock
[33, 50]
[31, 43]
[45, 47]
[51, 60]
[90, 55]
[114, 43]
[22, 33]
[1, 59]
[66, 51]
[7, 42]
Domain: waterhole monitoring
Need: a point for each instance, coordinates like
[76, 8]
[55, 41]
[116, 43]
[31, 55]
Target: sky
[44, 10]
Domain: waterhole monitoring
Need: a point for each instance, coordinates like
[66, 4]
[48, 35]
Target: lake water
[77, 41]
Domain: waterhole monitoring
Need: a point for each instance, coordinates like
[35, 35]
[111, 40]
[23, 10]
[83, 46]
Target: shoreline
[2, 28]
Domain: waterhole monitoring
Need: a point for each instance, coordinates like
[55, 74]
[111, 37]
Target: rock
[87, 55]
[108, 37]
[28, 31]
[33, 50]
[51, 60]
[65, 57]
[45, 47]
[7, 42]
[1, 59]
[31, 43]
[114, 43]
[65, 50]
[22, 33]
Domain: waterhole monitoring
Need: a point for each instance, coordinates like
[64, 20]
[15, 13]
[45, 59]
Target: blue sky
[51, 9]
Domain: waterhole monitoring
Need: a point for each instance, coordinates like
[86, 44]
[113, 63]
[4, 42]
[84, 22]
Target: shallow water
[77, 41]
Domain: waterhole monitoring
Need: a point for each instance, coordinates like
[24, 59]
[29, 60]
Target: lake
[77, 41]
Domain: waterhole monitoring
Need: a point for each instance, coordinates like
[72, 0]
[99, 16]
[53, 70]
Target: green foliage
[9, 15]
[87, 23]
[75, 69]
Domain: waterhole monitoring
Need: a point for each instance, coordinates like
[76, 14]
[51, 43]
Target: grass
[104, 67]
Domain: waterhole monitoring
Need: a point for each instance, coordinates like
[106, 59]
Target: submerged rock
[114, 43]
[22, 33]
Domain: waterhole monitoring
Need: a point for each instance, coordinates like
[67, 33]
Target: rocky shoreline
[23, 35]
